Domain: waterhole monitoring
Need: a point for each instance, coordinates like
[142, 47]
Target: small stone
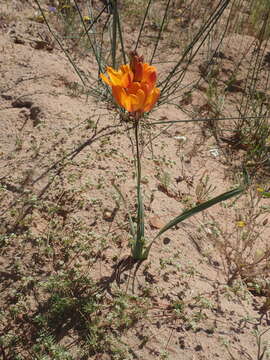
[166, 241]
[198, 348]
[107, 215]
[156, 222]
[181, 139]
[214, 152]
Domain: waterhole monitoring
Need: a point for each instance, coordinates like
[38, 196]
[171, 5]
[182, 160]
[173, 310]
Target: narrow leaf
[132, 229]
[114, 33]
[188, 213]
[142, 25]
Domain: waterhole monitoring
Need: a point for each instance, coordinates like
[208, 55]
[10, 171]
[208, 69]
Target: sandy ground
[63, 149]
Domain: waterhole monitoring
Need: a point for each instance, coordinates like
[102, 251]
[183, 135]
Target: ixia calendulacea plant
[134, 85]
[134, 89]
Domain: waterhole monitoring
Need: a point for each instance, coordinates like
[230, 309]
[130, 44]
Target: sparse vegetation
[72, 160]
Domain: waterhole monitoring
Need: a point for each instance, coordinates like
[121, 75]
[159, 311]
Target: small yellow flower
[259, 189]
[39, 19]
[240, 224]
[86, 19]
[134, 85]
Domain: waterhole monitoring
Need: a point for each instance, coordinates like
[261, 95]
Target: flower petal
[127, 79]
[128, 102]
[146, 88]
[138, 71]
[119, 94]
[125, 68]
[105, 79]
[149, 75]
[151, 99]
[134, 103]
[141, 99]
[137, 101]
[133, 88]
[115, 76]
[122, 77]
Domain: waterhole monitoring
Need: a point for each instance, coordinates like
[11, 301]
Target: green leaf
[247, 180]
[132, 229]
[188, 213]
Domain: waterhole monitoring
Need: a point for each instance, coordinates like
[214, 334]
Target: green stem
[114, 32]
[138, 160]
[138, 247]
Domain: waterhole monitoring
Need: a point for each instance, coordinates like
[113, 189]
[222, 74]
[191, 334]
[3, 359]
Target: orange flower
[133, 86]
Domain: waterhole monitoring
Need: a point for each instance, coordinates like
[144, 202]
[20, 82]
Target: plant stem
[114, 32]
[138, 247]
[138, 160]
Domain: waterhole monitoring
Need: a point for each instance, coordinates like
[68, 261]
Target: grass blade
[201, 35]
[132, 229]
[114, 32]
[160, 31]
[121, 36]
[59, 43]
[142, 25]
[206, 119]
[186, 214]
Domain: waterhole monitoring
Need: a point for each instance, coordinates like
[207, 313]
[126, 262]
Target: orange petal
[152, 76]
[122, 77]
[141, 99]
[151, 99]
[127, 79]
[137, 100]
[138, 71]
[115, 76]
[147, 88]
[105, 79]
[134, 103]
[119, 94]
[126, 101]
[125, 68]
[133, 88]
[127, 75]
[149, 75]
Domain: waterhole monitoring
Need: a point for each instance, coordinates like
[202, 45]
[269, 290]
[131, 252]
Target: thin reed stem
[142, 25]
[201, 35]
[138, 247]
[121, 36]
[60, 44]
[114, 32]
[160, 31]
